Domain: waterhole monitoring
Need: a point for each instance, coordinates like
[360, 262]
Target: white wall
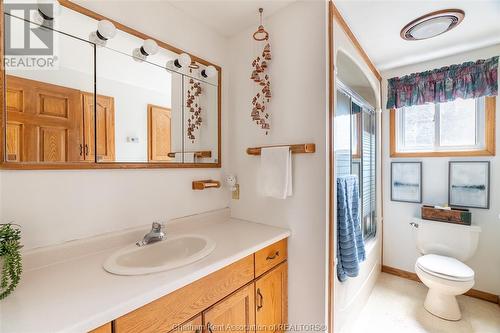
[298, 110]
[351, 295]
[399, 241]
[57, 206]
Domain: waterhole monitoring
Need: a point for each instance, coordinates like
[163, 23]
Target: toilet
[443, 248]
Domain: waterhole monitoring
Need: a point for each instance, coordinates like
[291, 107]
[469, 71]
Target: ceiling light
[432, 24]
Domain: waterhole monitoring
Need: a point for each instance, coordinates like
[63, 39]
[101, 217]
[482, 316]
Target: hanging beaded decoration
[194, 107]
[260, 114]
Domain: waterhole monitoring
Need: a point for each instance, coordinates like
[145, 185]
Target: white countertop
[65, 289]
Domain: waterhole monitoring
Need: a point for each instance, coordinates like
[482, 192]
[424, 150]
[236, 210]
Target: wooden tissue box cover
[455, 215]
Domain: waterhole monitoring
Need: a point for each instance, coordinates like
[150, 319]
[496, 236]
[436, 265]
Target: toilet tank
[448, 239]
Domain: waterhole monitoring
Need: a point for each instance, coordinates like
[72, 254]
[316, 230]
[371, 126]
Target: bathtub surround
[399, 243]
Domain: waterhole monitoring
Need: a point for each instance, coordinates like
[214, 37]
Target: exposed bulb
[183, 60]
[105, 30]
[149, 47]
[47, 11]
[210, 71]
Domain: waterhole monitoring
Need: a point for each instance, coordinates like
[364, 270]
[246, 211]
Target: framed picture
[469, 184]
[406, 182]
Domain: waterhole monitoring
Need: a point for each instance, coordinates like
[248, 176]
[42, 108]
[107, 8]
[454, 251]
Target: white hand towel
[189, 158]
[275, 176]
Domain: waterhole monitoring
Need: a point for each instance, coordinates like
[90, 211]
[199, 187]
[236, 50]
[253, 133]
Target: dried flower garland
[260, 114]
[193, 104]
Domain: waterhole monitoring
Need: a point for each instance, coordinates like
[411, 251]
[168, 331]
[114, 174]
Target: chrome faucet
[156, 234]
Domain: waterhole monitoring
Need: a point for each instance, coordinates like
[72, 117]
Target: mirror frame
[109, 165]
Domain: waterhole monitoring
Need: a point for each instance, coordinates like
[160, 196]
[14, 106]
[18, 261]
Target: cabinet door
[235, 313]
[271, 291]
[106, 328]
[194, 325]
[102, 124]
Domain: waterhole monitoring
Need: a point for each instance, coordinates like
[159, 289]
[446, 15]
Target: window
[457, 128]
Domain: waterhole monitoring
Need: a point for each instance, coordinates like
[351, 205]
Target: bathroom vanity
[242, 282]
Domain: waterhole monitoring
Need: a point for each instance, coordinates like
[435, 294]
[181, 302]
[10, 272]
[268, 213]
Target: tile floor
[396, 305]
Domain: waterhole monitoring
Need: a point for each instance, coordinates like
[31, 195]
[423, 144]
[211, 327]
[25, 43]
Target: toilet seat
[445, 267]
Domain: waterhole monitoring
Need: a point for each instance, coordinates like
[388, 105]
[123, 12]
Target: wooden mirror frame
[106, 165]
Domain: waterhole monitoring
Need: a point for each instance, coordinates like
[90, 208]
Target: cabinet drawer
[106, 328]
[166, 313]
[194, 325]
[270, 256]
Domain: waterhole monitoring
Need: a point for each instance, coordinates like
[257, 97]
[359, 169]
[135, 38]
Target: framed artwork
[406, 181]
[469, 184]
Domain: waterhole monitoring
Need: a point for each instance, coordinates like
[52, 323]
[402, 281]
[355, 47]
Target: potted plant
[10, 258]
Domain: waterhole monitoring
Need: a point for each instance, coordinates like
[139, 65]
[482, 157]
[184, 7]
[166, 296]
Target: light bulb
[210, 71]
[106, 30]
[47, 11]
[149, 47]
[183, 60]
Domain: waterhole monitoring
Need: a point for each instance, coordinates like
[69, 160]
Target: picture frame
[406, 182]
[469, 184]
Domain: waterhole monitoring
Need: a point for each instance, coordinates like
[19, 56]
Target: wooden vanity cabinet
[106, 328]
[232, 299]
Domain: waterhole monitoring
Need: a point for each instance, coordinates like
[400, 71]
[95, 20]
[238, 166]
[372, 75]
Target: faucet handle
[156, 226]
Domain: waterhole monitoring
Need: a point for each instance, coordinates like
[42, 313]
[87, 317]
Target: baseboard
[485, 296]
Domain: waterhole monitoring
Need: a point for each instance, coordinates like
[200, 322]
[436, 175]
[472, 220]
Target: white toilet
[443, 248]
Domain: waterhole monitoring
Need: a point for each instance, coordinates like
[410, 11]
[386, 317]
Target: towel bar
[304, 148]
[198, 154]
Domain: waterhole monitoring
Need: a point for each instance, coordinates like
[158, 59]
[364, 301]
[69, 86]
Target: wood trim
[331, 162]
[335, 14]
[490, 139]
[105, 165]
[483, 295]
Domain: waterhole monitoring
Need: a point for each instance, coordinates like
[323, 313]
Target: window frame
[485, 145]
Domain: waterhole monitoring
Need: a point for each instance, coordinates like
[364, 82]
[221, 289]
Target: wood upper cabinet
[236, 313]
[103, 125]
[43, 121]
[159, 133]
[271, 300]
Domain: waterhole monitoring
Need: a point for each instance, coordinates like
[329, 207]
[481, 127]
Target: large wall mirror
[109, 99]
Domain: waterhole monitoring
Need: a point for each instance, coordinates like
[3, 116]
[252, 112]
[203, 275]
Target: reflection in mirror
[139, 110]
[45, 122]
[200, 122]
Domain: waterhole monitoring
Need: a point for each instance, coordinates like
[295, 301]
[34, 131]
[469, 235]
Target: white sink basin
[173, 252]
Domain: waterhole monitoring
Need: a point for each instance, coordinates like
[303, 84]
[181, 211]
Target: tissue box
[455, 215]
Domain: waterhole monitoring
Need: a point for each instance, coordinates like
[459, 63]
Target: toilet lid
[446, 267]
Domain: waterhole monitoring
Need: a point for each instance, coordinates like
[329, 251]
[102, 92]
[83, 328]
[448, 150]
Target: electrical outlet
[236, 193]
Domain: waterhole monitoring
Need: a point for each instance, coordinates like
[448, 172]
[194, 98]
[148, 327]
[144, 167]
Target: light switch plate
[236, 193]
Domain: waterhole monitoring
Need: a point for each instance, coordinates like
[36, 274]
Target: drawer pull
[271, 257]
[260, 300]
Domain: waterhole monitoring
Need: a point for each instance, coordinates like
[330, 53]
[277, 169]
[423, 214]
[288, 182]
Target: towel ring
[261, 34]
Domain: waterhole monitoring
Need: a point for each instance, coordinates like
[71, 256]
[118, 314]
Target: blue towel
[350, 242]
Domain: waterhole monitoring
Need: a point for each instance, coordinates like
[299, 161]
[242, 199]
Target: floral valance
[468, 80]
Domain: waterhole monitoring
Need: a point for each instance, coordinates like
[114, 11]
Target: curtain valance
[468, 80]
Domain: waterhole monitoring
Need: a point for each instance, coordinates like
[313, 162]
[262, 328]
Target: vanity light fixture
[46, 13]
[432, 24]
[105, 30]
[210, 71]
[148, 48]
[183, 60]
